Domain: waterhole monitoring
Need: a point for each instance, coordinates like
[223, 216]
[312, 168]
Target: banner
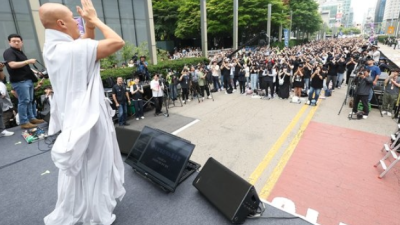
[81, 28]
[286, 36]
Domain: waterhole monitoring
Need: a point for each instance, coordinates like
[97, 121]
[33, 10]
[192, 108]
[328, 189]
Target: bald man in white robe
[91, 171]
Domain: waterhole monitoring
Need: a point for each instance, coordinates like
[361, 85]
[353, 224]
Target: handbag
[282, 80]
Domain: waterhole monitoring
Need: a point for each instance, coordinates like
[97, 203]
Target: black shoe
[126, 124]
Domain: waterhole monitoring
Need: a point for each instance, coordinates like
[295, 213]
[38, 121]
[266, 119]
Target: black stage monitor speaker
[234, 197]
[126, 138]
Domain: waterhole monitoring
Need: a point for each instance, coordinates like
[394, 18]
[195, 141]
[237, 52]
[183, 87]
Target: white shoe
[365, 117]
[384, 112]
[6, 133]
[308, 102]
[233, 90]
[203, 98]
[209, 97]
[352, 113]
[137, 118]
[142, 117]
[189, 100]
[226, 92]
[388, 114]
[184, 102]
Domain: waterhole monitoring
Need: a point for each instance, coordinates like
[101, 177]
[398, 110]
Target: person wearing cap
[375, 54]
[375, 72]
[142, 67]
[391, 93]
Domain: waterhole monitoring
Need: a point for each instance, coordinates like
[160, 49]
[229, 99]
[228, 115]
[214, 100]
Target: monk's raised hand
[87, 12]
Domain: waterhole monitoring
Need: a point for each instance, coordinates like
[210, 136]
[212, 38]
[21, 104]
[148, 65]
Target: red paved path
[331, 171]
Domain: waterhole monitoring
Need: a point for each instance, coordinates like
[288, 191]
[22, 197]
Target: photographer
[172, 82]
[332, 74]
[184, 80]
[157, 88]
[341, 68]
[298, 81]
[215, 72]
[194, 81]
[121, 98]
[225, 72]
[254, 78]
[307, 75]
[392, 84]
[203, 82]
[270, 77]
[364, 86]
[284, 85]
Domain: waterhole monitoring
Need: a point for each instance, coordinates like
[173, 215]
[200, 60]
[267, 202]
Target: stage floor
[28, 193]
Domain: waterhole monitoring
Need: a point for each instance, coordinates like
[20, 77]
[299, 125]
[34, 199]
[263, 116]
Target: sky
[360, 7]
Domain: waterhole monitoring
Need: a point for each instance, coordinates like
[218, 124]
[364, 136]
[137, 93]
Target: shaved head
[58, 17]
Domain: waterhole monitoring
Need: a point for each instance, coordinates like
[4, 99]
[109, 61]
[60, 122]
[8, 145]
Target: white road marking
[184, 127]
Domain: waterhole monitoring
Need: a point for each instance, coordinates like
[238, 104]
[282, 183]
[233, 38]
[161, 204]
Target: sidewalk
[392, 54]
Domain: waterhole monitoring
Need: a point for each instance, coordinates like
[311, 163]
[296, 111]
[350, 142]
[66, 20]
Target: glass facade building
[126, 17]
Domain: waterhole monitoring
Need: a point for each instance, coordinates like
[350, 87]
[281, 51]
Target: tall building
[379, 10]
[391, 15]
[335, 9]
[347, 20]
[126, 17]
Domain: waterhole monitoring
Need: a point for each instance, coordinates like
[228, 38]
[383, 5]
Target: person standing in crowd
[307, 75]
[21, 78]
[225, 73]
[91, 171]
[194, 81]
[375, 54]
[392, 84]
[270, 80]
[203, 83]
[298, 82]
[121, 98]
[315, 86]
[172, 82]
[341, 68]
[350, 67]
[247, 74]
[184, 81]
[237, 69]
[284, 82]
[215, 72]
[142, 67]
[375, 72]
[137, 92]
[157, 88]
[332, 74]
[364, 86]
[5, 105]
[254, 78]
[242, 81]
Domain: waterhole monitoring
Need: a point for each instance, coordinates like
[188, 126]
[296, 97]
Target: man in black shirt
[121, 98]
[341, 68]
[21, 77]
[332, 74]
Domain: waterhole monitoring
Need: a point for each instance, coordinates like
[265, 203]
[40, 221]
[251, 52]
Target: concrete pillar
[203, 15]
[35, 5]
[235, 23]
[150, 32]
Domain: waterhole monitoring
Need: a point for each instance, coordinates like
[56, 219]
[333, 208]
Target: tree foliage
[188, 25]
[165, 14]
[305, 17]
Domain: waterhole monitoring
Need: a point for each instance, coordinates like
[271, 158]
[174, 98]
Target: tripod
[351, 90]
[178, 96]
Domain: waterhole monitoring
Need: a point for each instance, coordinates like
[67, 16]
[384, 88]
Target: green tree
[165, 18]
[188, 25]
[127, 51]
[306, 18]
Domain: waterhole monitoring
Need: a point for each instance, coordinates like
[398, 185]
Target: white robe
[91, 171]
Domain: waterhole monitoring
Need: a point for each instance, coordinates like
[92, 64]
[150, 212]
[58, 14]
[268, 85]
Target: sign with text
[390, 30]
[81, 27]
[286, 36]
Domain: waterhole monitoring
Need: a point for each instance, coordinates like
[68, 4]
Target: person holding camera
[215, 72]
[270, 76]
[298, 81]
[254, 78]
[392, 84]
[172, 82]
[137, 95]
[284, 82]
[184, 80]
[351, 63]
[341, 68]
[225, 72]
[21, 78]
[364, 85]
[203, 83]
[332, 73]
[316, 85]
[142, 67]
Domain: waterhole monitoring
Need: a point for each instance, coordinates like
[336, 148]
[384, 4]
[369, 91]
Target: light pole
[269, 24]
[235, 23]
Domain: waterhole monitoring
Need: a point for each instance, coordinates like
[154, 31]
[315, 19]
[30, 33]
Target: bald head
[49, 13]
[59, 17]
